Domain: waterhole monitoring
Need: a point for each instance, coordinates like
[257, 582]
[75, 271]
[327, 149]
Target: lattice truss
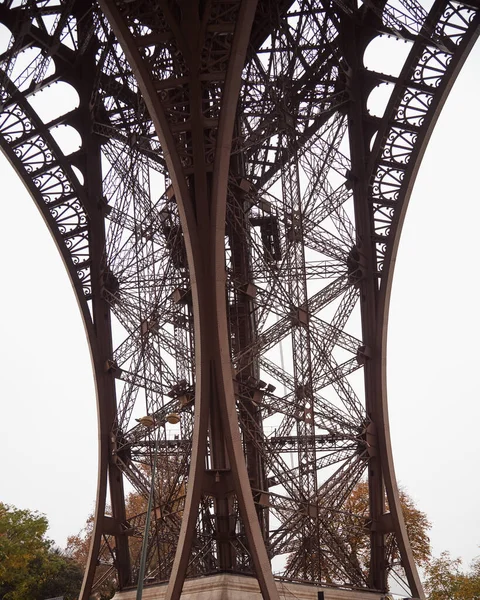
[294, 270]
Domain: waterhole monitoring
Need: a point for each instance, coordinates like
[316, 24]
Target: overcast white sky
[434, 351]
[48, 413]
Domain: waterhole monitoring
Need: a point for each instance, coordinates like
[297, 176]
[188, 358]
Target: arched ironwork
[229, 223]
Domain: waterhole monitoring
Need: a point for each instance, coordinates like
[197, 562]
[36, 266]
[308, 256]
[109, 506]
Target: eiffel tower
[229, 220]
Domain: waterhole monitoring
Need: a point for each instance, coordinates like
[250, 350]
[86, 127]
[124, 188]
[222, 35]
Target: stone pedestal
[238, 587]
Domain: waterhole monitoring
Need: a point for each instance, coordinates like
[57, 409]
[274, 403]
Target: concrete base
[238, 587]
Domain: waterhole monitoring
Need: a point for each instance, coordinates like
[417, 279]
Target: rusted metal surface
[229, 223]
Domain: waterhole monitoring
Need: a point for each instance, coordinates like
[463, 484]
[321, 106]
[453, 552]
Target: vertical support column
[202, 212]
[243, 330]
[101, 346]
[301, 351]
[354, 46]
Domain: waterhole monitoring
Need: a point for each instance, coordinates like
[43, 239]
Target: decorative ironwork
[229, 221]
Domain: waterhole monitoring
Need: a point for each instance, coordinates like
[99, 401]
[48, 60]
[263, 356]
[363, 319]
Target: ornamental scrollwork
[409, 114]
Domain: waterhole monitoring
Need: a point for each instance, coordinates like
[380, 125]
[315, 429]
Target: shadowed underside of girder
[229, 220]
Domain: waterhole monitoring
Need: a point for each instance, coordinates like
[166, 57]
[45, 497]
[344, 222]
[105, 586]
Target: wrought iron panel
[314, 193]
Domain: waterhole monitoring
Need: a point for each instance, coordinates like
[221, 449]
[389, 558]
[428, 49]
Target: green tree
[60, 576]
[445, 579]
[30, 566]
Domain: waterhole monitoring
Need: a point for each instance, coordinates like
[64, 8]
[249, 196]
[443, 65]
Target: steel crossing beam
[229, 222]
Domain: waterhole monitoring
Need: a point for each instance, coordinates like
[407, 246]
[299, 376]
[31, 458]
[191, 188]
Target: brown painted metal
[202, 210]
[189, 301]
[382, 322]
[106, 401]
[356, 42]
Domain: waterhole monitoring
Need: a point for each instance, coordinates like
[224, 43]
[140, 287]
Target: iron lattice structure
[229, 220]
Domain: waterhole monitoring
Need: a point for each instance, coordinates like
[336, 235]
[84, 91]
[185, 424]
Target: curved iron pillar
[427, 77]
[444, 87]
[75, 219]
[245, 100]
[202, 208]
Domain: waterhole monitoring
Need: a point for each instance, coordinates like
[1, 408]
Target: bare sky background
[48, 430]
[433, 358]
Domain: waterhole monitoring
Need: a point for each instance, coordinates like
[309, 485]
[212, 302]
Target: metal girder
[230, 230]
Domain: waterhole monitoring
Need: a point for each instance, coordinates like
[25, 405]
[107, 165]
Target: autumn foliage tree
[78, 548]
[349, 527]
[445, 579]
[416, 522]
[168, 503]
[78, 545]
